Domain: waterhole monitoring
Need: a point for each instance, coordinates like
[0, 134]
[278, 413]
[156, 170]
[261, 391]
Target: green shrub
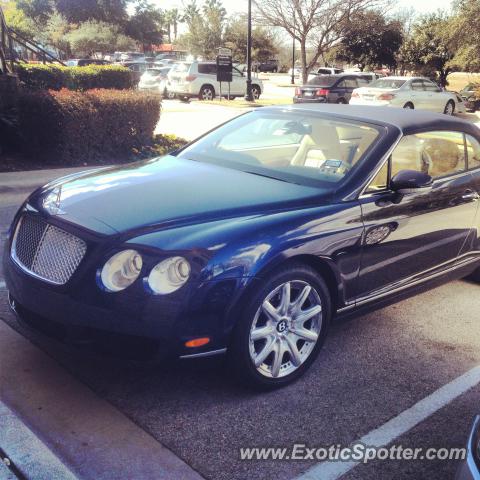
[70, 127]
[160, 145]
[55, 77]
[41, 77]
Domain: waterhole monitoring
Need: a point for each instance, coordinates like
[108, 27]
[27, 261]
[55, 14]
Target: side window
[363, 81]
[341, 84]
[473, 152]
[438, 154]
[207, 68]
[430, 86]
[417, 85]
[350, 83]
[236, 73]
[380, 181]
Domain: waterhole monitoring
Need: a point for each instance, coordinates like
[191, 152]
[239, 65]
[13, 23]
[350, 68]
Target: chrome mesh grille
[45, 250]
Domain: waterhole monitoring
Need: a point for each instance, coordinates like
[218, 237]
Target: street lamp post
[293, 52]
[248, 95]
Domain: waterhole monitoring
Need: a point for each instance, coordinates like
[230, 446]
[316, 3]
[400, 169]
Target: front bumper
[82, 314]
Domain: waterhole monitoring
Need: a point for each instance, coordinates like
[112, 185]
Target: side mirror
[411, 181]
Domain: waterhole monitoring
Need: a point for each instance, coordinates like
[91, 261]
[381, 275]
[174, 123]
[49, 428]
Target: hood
[167, 192]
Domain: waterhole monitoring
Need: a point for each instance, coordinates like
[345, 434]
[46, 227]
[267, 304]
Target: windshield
[297, 147]
[392, 83]
[323, 80]
[180, 67]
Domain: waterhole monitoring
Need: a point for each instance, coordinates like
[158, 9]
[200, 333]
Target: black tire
[239, 357]
[207, 92]
[256, 92]
[409, 106]
[342, 101]
[449, 108]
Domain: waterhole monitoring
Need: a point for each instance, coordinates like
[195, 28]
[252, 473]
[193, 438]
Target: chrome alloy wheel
[285, 329]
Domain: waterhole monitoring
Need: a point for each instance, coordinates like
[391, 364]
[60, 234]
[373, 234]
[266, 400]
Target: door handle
[470, 195]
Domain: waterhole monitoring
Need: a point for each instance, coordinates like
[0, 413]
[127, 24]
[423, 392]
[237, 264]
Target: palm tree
[175, 19]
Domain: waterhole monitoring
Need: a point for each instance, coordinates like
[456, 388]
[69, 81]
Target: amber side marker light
[197, 342]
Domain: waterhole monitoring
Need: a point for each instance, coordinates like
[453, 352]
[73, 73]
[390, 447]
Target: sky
[234, 6]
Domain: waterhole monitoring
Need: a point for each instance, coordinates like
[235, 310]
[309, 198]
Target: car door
[239, 84]
[409, 237]
[418, 95]
[435, 99]
[338, 92]
[350, 85]
[473, 162]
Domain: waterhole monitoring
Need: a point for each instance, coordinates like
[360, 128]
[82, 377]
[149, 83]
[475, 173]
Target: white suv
[199, 79]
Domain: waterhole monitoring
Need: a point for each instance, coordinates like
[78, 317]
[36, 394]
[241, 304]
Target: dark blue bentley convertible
[252, 238]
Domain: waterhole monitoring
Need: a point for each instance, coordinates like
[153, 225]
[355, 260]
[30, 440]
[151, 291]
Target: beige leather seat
[321, 144]
[443, 157]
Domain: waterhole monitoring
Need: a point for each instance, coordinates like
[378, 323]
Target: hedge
[71, 127]
[56, 77]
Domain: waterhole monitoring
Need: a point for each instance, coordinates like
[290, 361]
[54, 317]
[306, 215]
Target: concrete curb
[86, 434]
[28, 453]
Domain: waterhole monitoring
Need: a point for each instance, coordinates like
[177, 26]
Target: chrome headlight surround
[168, 275]
[120, 271]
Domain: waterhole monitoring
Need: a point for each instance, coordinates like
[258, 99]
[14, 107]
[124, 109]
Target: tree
[205, 28]
[370, 39]
[76, 11]
[235, 38]
[18, 20]
[94, 36]
[430, 48]
[37, 10]
[145, 25]
[466, 35]
[318, 24]
[214, 21]
[56, 32]
[172, 18]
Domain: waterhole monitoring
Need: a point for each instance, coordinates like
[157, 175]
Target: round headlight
[121, 270]
[169, 275]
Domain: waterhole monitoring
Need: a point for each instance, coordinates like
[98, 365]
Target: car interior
[437, 154]
[319, 148]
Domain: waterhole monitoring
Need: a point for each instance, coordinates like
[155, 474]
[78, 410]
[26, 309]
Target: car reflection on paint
[252, 239]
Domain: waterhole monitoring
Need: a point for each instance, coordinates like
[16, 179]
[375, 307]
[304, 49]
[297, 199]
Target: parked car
[406, 92]
[268, 66]
[132, 57]
[297, 72]
[199, 80]
[328, 88]
[469, 95]
[138, 68]
[327, 71]
[156, 79]
[83, 62]
[252, 239]
[470, 467]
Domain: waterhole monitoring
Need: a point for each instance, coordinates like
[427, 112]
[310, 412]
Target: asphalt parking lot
[371, 369]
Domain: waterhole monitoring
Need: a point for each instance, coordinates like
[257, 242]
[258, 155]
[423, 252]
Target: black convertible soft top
[408, 121]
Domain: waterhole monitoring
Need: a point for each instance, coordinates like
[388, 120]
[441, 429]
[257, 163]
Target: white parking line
[398, 425]
[2, 285]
